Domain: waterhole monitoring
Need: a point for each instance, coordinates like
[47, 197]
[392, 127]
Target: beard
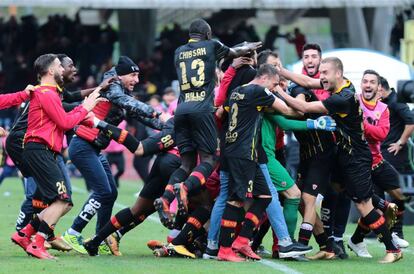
[59, 79]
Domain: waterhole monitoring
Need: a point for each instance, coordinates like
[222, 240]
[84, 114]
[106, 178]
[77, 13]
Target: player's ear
[208, 34]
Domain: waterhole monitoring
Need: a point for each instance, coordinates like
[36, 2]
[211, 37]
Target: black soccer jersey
[245, 105]
[311, 142]
[344, 107]
[195, 63]
[400, 115]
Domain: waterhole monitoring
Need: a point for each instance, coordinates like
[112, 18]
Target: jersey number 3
[196, 64]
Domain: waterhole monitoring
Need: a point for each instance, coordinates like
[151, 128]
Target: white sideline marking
[277, 266]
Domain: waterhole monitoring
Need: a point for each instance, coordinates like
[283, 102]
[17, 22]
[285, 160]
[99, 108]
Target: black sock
[119, 135]
[305, 233]
[360, 232]
[398, 226]
[194, 224]
[122, 218]
[229, 220]
[323, 242]
[198, 176]
[125, 229]
[180, 221]
[253, 215]
[178, 176]
[377, 224]
[262, 231]
[45, 229]
[379, 203]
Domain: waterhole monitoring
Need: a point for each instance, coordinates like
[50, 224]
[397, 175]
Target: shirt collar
[56, 87]
[193, 40]
[346, 85]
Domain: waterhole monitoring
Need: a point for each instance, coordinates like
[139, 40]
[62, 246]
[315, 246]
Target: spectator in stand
[299, 40]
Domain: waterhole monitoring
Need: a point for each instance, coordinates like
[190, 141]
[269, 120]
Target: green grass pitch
[137, 258]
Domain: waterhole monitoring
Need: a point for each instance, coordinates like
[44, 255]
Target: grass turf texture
[138, 258]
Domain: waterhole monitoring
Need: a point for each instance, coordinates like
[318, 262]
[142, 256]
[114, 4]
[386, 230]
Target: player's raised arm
[244, 49]
[300, 79]
[303, 106]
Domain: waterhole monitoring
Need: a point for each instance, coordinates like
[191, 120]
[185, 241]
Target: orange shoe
[163, 208]
[181, 193]
[227, 254]
[242, 246]
[38, 252]
[154, 244]
[22, 241]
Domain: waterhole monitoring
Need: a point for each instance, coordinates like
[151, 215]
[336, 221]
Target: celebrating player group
[218, 181]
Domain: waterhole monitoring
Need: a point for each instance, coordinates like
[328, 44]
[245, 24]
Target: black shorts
[246, 180]
[356, 172]
[14, 148]
[314, 174]
[385, 176]
[45, 170]
[157, 143]
[164, 165]
[196, 131]
[400, 161]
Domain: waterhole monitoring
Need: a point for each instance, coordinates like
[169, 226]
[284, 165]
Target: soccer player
[14, 146]
[85, 148]
[14, 99]
[317, 152]
[246, 177]
[47, 123]
[165, 164]
[287, 248]
[354, 156]
[394, 148]
[384, 175]
[195, 125]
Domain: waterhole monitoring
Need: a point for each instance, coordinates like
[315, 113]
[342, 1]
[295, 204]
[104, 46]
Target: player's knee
[211, 159]
[293, 193]
[67, 208]
[236, 203]
[265, 200]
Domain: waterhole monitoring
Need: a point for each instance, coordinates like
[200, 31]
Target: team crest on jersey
[283, 184]
[314, 186]
[377, 114]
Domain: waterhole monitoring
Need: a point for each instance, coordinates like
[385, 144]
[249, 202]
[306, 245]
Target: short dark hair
[312, 46]
[266, 69]
[61, 56]
[199, 27]
[263, 55]
[373, 72]
[384, 83]
[336, 62]
[42, 64]
[168, 90]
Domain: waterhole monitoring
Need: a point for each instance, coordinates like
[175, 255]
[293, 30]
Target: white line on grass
[277, 266]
